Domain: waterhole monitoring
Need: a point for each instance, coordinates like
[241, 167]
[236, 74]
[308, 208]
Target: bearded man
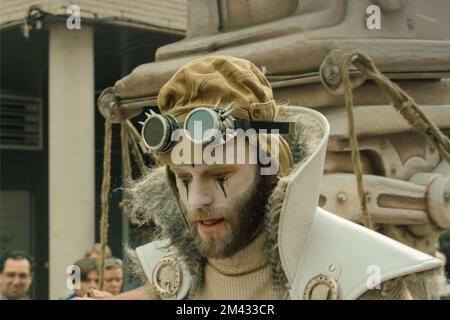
[233, 228]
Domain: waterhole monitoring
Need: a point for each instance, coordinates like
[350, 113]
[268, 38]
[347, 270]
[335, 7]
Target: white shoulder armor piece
[323, 255]
[169, 277]
[353, 258]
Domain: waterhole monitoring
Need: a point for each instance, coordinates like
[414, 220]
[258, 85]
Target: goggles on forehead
[202, 126]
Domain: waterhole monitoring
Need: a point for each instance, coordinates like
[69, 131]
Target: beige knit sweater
[245, 275]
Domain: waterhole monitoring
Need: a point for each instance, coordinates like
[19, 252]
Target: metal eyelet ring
[169, 288]
[326, 284]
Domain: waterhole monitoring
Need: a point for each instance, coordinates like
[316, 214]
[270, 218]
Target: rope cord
[401, 101]
[348, 95]
[106, 183]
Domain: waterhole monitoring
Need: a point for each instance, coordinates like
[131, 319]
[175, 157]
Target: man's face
[223, 205]
[91, 282]
[94, 255]
[113, 281]
[15, 279]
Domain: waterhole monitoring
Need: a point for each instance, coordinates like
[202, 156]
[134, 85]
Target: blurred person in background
[16, 275]
[95, 252]
[89, 277]
[113, 278]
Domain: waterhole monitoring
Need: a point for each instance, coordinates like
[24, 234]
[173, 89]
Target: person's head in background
[95, 252]
[113, 278]
[89, 276]
[16, 273]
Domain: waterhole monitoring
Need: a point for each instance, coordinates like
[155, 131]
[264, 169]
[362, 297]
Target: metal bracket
[330, 74]
[111, 108]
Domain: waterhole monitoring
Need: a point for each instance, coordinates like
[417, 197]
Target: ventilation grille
[20, 123]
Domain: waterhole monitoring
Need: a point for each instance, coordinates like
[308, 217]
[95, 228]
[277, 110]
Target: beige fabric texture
[202, 82]
[236, 81]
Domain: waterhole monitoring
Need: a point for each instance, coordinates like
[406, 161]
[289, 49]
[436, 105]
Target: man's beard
[18, 294]
[241, 222]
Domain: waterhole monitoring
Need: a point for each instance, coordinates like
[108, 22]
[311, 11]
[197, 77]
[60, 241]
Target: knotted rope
[402, 102]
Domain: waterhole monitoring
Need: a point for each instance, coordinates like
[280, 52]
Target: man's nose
[16, 281]
[200, 195]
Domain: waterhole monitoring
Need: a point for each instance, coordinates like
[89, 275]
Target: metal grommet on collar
[167, 278]
[321, 287]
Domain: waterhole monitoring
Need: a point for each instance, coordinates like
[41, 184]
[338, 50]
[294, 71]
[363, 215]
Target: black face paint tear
[222, 186]
[221, 181]
[186, 185]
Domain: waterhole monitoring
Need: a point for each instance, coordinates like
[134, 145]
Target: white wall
[71, 150]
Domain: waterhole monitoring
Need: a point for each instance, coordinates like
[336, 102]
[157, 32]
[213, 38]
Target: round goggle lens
[200, 125]
[153, 132]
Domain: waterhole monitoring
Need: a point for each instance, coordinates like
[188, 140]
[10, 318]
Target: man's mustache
[199, 215]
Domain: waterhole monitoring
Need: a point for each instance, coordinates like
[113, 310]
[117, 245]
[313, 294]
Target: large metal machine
[407, 183]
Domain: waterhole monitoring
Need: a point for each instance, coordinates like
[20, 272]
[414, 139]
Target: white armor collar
[317, 246]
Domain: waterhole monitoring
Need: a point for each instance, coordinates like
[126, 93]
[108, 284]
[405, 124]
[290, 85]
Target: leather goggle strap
[282, 127]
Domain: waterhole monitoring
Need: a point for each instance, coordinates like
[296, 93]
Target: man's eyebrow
[178, 170]
[220, 167]
[210, 168]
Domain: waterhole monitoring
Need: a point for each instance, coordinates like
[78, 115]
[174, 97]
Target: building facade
[56, 57]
